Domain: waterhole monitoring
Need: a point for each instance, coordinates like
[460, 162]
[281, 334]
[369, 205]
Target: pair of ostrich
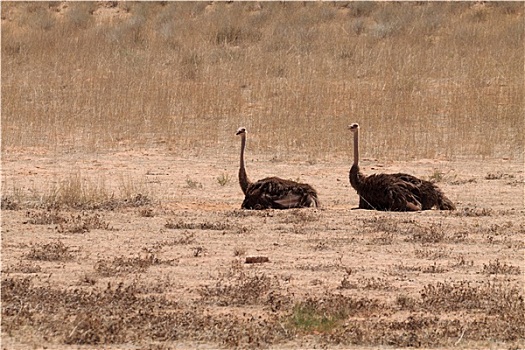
[389, 192]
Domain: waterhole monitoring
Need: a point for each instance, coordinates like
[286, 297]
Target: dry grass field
[121, 220]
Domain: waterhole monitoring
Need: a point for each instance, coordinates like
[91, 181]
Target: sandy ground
[311, 251]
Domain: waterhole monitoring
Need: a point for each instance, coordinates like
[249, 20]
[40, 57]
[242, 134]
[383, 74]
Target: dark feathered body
[397, 192]
[276, 193]
[427, 193]
[273, 192]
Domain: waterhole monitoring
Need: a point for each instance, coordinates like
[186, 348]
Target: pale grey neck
[356, 147]
[243, 145]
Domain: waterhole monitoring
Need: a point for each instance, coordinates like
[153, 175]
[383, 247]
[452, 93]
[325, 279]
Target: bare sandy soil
[183, 252]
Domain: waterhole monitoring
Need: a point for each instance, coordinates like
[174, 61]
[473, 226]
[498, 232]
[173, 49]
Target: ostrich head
[241, 130]
[353, 127]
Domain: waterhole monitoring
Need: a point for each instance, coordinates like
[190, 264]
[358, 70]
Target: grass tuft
[54, 251]
[224, 179]
[240, 289]
[122, 266]
[498, 268]
[180, 224]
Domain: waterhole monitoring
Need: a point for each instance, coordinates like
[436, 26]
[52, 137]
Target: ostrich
[273, 192]
[395, 192]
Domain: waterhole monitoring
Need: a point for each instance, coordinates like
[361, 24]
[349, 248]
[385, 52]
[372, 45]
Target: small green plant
[192, 183]
[327, 315]
[308, 319]
[223, 179]
[437, 176]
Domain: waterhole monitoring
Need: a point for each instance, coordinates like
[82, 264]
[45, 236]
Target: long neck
[243, 178]
[356, 147]
[356, 177]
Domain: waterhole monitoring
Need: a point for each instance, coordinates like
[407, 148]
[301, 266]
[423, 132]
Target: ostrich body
[394, 192]
[273, 192]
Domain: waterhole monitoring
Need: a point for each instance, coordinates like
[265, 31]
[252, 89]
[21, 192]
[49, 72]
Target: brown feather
[276, 193]
[273, 192]
[394, 192]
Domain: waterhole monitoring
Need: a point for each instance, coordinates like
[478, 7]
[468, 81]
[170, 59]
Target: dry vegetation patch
[44, 217]
[9, 203]
[181, 224]
[73, 223]
[433, 233]
[79, 192]
[186, 238]
[23, 267]
[496, 297]
[53, 251]
[498, 268]
[241, 290]
[84, 222]
[121, 314]
[122, 266]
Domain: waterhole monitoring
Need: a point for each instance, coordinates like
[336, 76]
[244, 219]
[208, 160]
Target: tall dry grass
[423, 79]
